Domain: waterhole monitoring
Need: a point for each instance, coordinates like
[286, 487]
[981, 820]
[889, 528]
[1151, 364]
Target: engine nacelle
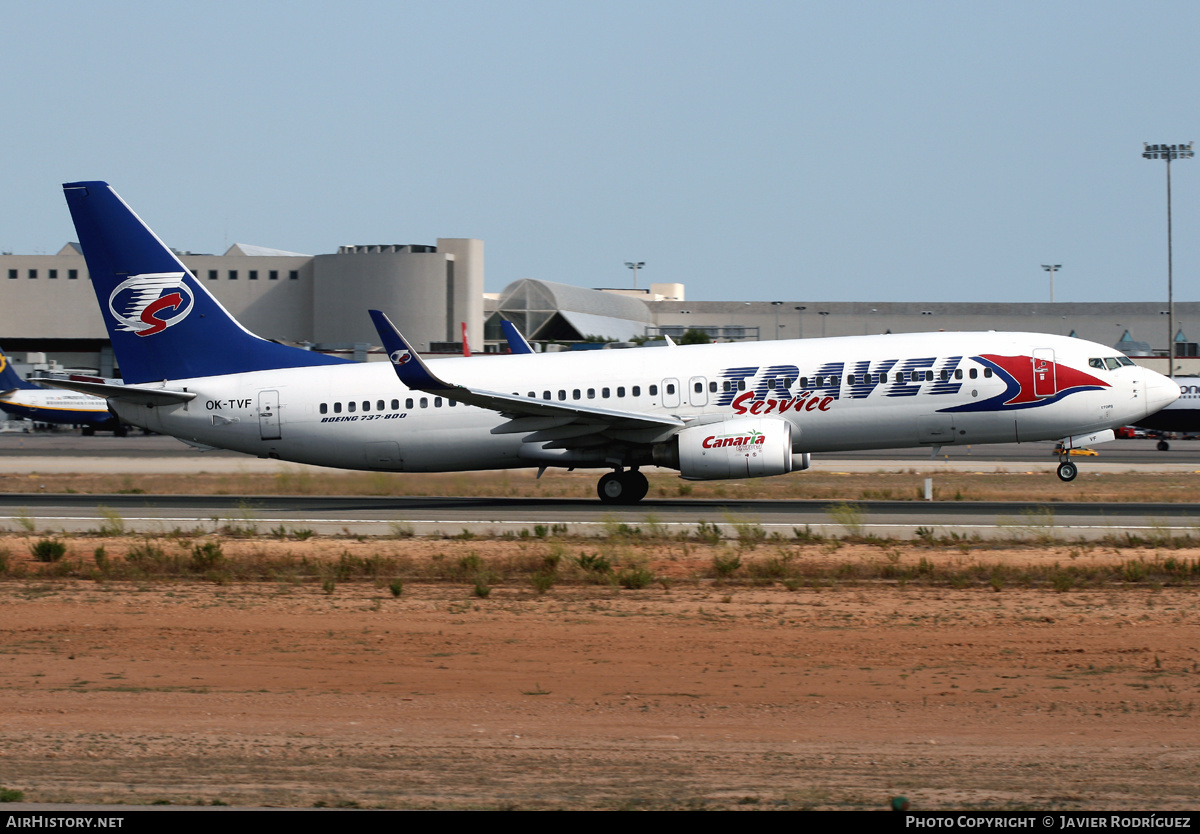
[750, 447]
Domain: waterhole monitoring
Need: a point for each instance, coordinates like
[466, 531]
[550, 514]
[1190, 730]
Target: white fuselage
[908, 390]
[55, 406]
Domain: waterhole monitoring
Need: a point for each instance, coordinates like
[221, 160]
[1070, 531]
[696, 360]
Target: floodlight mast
[1052, 268]
[635, 266]
[1167, 153]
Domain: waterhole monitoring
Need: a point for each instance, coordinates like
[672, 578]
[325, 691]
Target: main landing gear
[623, 487]
[1067, 470]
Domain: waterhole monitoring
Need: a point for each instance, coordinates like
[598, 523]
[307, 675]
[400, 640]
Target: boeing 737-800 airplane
[710, 411]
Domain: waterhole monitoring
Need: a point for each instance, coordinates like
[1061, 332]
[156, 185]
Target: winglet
[516, 342]
[409, 366]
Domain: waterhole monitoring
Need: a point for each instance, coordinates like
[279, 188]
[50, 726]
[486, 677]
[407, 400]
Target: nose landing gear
[623, 487]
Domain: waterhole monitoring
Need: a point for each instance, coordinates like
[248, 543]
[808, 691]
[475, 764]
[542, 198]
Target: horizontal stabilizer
[124, 393]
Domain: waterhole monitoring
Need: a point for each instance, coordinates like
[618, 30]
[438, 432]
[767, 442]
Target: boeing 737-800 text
[709, 411]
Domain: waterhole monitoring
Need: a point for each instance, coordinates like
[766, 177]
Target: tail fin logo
[400, 357]
[150, 303]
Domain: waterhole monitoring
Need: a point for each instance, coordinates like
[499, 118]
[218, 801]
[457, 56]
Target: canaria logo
[3, 362]
[150, 303]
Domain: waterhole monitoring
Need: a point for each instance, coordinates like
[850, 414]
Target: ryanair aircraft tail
[10, 380]
[163, 323]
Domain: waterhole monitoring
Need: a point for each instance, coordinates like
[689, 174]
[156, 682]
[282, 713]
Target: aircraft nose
[1161, 391]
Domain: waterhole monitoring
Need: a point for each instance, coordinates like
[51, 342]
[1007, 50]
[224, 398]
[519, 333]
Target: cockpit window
[1124, 360]
[1112, 363]
[1096, 363]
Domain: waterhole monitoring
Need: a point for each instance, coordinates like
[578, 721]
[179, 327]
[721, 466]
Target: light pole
[1052, 268]
[776, 305]
[824, 314]
[1169, 152]
[800, 321]
[635, 266]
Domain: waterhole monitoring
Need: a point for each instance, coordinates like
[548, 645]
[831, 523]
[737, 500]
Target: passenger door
[268, 415]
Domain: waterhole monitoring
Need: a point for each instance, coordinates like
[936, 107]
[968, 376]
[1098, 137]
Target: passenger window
[604, 392]
[637, 391]
[620, 390]
[437, 402]
[350, 407]
[562, 394]
[883, 378]
[654, 390]
[987, 373]
[670, 387]
[770, 385]
[324, 408]
[380, 405]
[451, 403]
[337, 408]
[366, 405]
[576, 394]
[958, 373]
[725, 386]
[741, 385]
[698, 387]
[424, 402]
[974, 373]
[545, 395]
[408, 403]
[803, 382]
[591, 393]
[945, 375]
[712, 388]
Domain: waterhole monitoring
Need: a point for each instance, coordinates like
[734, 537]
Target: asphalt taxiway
[480, 516]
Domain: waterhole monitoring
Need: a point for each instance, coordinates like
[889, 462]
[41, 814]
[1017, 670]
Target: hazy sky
[751, 150]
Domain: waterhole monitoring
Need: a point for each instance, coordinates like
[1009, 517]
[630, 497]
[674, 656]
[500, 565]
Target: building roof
[262, 251]
[548, 310]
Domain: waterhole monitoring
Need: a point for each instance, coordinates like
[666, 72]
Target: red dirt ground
[690, 694]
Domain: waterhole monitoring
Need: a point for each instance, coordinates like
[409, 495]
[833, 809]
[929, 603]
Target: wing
[559, 425]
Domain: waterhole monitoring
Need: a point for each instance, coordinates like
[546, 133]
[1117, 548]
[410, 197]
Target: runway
[66, 452]
[63, 452]
[393, 516]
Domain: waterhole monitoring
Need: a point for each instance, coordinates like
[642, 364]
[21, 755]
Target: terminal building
[48, 311]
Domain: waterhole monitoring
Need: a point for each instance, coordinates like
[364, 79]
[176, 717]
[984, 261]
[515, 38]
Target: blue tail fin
[162, 322]
[516, 342]
[10, 379]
